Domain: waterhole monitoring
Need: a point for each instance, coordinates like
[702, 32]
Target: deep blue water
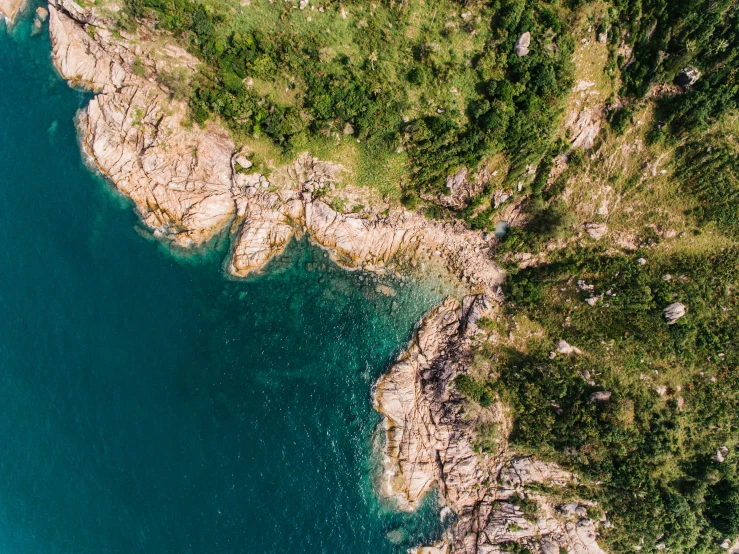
[149, 404]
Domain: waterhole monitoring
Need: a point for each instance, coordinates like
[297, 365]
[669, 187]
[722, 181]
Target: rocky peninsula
[190, 184]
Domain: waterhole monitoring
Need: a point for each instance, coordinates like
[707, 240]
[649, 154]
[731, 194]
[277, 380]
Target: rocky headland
[500, 498]
[190, 184]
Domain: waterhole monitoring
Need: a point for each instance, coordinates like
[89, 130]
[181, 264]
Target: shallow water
[149, 404]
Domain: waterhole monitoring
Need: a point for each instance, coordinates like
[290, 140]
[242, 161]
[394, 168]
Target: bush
[473, 390]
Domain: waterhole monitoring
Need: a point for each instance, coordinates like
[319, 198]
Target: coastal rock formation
[423, 424]
[188, 185]
[179, 179]
[9, 9]
[429, 442]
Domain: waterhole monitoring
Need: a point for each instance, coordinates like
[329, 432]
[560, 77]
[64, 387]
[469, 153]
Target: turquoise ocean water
[149, 404]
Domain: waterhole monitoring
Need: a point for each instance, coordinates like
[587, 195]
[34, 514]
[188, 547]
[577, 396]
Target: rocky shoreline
[189, 184]
[188, 187]
[9, 9]
[500, 498]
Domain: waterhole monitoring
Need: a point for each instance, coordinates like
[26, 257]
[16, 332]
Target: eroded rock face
[429, 439]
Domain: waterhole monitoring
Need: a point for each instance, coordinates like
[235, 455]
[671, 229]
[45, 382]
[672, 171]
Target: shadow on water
[151, 404]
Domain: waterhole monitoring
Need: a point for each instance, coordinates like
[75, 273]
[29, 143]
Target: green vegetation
[473, 390]
[674, 389]
[708, 171]
[434, 84]
[670, 36]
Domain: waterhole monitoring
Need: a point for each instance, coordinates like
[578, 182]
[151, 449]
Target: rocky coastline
[186, 182]
[9, 9]
[499, 499]
[190, 184]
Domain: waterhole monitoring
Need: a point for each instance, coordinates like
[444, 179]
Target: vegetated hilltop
[604, 133]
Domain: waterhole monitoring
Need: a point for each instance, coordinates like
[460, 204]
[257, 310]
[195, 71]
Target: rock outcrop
[521, 48]
[179, 179]
[584, 126]
[429, 442]
[673, 312]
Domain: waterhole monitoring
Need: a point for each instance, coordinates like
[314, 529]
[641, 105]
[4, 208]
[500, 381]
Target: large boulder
[687, 77]
[673, 312]
[521, 48]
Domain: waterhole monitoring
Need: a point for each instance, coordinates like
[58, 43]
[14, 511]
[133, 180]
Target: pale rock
[584, 126]
[596, 230]
[10, 9]
[521, 48]
[573, 508]
[563, 347]
[719, 456]
[242, 161]
[600, 396]
[673, 312]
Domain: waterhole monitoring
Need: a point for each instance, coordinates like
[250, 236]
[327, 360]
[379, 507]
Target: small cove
[150, 404]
